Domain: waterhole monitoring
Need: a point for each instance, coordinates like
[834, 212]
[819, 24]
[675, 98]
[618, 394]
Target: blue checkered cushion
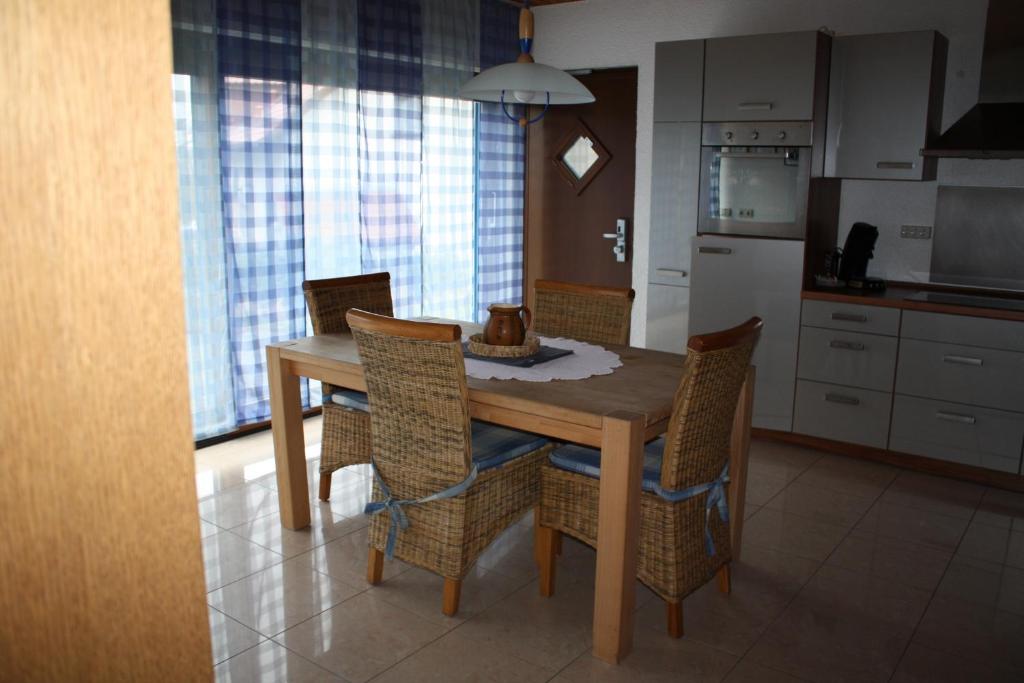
[494, 445]
[583, 460]
[348, 398]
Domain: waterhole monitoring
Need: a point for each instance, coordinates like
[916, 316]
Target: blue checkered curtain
[197, 139]
[260, 63]
[501, 156]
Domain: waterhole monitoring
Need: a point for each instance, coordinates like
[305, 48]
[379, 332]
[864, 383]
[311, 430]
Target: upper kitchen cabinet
[769, 77]
[678, 80]
[885, 103]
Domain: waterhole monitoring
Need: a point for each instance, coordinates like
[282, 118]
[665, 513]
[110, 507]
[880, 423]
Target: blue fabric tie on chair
[716, 498]
[394, 507]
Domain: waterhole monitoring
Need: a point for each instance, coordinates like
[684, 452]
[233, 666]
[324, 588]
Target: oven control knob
[781, 135]
[728, 135]
[754, 135]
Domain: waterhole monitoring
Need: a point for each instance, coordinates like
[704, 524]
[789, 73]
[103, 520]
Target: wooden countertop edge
[904, 304]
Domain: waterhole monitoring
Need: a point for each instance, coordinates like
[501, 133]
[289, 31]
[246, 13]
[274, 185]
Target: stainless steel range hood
[993, 128]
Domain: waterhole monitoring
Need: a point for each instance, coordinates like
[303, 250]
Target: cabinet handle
[714, 250]
[850, 317]
[671, 272]
[956, 417]
[848, 345]
[755, 106]
[896, 165]
[842, 398]
[962, 360]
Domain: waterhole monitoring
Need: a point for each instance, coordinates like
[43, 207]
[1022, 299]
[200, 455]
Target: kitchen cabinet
[667, 317]
[885, 103]
[675, 185]
[769, 77]
[678, 80]
[735, 278]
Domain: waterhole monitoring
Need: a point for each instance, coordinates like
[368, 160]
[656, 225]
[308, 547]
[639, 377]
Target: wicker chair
[584, 312]
[446, 486]
[683, 543]
[346, 432]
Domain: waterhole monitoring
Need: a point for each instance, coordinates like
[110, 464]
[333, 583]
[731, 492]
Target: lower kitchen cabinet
[668, 309]
[841, 413]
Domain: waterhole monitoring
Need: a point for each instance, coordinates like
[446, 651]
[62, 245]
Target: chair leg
[724, 580]
[452, 591]
[675, 618]
[375, 567]
[545, 544]
[325, 487]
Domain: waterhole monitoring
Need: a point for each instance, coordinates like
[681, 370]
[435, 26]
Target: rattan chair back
[585, 312]
[419, 402]
[697, 440]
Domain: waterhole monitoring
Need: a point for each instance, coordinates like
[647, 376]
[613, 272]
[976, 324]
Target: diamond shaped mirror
[581, 157]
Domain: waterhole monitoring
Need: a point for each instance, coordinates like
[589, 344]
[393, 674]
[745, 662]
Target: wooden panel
[101, 574]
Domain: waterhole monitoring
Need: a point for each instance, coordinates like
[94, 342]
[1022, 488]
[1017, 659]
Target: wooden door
[567, 211]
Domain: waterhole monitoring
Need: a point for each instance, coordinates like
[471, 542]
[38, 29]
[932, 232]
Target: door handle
[896, 165]
[620, 240]
[962, 360]
[848, 345]
[755, 106]
[956, 417]
[842, 398]
[714, 250]
[671, 272]
[850, 317]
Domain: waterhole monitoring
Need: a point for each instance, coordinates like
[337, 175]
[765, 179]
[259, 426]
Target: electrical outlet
[916, 232]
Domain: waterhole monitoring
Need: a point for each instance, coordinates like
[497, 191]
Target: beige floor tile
[913, 525]
[270, 663]
[324, 526]
[654, 659]
[849, 475]
[207, 529]
[994, 544]
[511, 553]
[924, 665]
[828, 506]
[549, 632]
[361, 637]
[892, 606]
[455, 657]
[228, 637]
[1001, 508]
[238, 505]
[421, 592]
[211, 480]
[349, 499]
[988, 583]
[974, 631]
[763, 583]
[891, 559]
[803, 536]
[749, 510]
[227, 558]
[762, 489]
[280, 597]
[936, 494]
[749, 672]
[345, 559]
[776, 459]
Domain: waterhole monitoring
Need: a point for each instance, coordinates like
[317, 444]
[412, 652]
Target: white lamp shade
[525, 81]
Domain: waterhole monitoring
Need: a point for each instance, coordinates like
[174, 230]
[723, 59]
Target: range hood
[994, 127]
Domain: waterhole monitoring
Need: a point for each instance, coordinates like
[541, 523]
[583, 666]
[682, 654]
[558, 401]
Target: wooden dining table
[617, 413]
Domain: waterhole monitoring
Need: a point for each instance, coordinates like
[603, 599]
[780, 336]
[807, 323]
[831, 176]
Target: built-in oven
[754, 178]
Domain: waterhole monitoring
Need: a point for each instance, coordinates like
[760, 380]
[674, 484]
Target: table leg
[289, 442]
[618, 531]
[739, 448]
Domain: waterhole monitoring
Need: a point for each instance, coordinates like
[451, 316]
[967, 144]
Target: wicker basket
[479, 348]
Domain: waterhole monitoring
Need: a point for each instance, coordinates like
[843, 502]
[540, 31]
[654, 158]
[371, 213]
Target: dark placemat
[546, 353]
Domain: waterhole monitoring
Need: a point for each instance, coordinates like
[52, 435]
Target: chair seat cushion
[349, 398]
[494, 445]
[587, 461]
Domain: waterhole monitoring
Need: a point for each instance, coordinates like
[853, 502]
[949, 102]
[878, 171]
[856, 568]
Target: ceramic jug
[505, 326]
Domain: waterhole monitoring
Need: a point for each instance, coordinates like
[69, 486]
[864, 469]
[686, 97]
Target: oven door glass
[756, 191]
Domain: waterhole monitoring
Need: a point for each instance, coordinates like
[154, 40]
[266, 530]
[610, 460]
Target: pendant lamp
[525, 81]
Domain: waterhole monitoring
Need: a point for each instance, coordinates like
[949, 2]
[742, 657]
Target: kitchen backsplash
[892, 204]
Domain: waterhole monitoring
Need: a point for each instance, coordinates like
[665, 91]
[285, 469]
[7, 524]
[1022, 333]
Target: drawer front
[852, 317]
[867, 361]
[842, 413]
[950, 431]
[962, 329]
[961, 374]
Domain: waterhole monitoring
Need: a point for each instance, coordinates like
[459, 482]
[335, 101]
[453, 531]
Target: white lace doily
[586, 360]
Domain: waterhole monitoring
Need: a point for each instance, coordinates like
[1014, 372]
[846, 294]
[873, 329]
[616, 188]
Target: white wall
[607, 33]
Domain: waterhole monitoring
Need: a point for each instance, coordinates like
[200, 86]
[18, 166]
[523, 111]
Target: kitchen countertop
[896, 297]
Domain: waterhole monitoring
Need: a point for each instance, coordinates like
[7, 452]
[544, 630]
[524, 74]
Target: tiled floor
[850, 571]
